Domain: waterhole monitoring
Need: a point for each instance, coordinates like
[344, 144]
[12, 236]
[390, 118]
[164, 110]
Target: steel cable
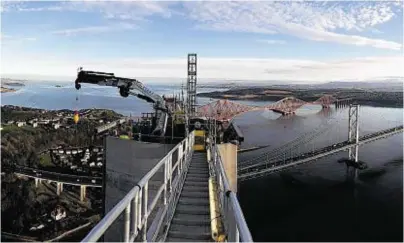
[296, 142]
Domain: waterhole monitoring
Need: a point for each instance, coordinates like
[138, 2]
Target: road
[58, 177]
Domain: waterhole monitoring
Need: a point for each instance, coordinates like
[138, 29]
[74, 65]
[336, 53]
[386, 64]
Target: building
[56, 125]
[45, 121]
[20, 124]
[35, 124]
[33, 120]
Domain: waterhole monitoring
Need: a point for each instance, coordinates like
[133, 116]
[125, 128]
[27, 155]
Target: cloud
[328, 21]
[120, 10]
[317, 21]
[272, 42]
[8, 39]
[94, 29]
[260, 69]
[124, 10]
[7, 6]
[128, 14]
[49, 8]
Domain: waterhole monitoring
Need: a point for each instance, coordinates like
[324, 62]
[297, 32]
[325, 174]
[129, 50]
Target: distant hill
[376, 85]
[386, 86]
[12, 82]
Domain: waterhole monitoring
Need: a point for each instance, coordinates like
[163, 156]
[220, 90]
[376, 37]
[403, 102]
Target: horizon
[207, 81]
[298, 42]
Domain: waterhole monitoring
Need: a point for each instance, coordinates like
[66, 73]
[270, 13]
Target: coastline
[7, 90]
[372, 98]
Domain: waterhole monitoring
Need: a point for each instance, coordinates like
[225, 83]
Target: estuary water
[311, 202]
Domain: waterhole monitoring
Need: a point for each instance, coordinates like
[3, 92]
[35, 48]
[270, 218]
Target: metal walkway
[179, 208]
[191, 220]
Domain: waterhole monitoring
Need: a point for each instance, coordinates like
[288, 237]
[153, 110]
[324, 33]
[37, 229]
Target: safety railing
[137, 209]
[235, 226]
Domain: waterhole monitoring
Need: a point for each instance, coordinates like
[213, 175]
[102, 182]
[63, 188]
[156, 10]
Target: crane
[128, 86]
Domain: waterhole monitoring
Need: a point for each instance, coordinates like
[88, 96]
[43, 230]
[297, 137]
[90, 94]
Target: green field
[45, 160]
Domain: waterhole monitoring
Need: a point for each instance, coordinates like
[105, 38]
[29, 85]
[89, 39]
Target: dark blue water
[316, 201]
[312, 202]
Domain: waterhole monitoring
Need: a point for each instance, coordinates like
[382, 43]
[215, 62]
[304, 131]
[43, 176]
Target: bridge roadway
[69, 179]
[265, 168]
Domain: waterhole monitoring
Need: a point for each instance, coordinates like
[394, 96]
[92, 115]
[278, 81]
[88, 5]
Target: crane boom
[128, 87]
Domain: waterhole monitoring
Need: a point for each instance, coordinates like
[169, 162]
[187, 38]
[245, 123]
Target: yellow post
[215, 220]
[228, 154]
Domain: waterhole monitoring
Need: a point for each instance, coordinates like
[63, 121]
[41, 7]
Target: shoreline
[7, 90]
[384, 99]
[33, 109]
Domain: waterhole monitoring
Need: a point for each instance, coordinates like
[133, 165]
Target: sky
[287, 41]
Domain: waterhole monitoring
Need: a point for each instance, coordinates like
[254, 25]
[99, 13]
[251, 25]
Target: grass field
[45, 160]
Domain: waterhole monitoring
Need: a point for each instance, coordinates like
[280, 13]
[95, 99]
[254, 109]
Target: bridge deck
[191, 221]
[262, 169]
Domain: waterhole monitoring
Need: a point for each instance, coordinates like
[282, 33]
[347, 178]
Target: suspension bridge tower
[353, 133]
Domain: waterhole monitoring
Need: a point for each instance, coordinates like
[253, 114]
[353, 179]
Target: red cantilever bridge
[225, 110]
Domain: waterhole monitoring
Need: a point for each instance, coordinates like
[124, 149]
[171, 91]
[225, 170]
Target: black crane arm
[127, 87]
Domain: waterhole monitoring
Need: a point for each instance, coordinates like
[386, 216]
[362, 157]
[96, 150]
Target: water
[312, 202]
[46, 95]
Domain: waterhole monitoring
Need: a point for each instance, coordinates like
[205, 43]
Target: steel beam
[191, 84]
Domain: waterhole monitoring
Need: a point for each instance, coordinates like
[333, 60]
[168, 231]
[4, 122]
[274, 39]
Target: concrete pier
[59, 188]
[37, 182]
[83, 190]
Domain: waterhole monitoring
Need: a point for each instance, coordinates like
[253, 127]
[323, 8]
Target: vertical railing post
[170, 169]
[186, 148]
[190, 144]
[140, 202]
[165, 182]
[145, 209]
[135, 213]
[180, 151]
[127, 224]
[237, 234]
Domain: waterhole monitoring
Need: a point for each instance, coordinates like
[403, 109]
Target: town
[58, 167]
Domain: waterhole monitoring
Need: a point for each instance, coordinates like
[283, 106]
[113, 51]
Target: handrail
[233, 218]
[137, 198]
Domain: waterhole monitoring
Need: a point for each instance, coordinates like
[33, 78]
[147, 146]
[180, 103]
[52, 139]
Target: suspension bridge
[262, 169]
[295, 152]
